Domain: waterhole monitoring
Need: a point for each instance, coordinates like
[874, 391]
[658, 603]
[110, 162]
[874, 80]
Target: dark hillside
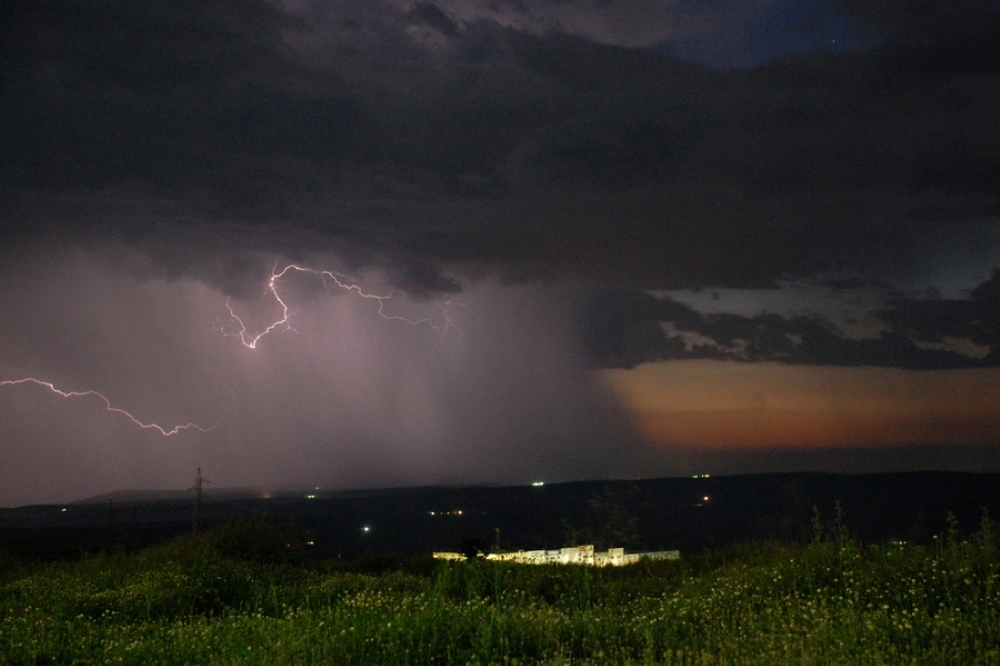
[650, 514]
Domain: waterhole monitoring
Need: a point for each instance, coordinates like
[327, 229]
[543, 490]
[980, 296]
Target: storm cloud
[528, 152]
[865, 327]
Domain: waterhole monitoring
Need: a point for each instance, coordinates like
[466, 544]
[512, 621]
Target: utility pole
[196, 520]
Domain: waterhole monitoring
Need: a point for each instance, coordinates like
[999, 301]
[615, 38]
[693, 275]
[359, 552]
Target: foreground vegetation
[238, 596]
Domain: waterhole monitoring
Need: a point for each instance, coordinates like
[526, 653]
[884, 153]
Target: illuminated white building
[571, 555]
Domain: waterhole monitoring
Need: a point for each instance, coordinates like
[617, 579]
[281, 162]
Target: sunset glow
[715, 404]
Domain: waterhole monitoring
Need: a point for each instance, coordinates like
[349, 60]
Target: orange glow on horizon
[728, 405]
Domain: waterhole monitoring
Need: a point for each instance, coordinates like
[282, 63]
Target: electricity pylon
[196, 520]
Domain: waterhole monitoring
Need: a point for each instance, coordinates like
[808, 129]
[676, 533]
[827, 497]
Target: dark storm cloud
[440, 139]
[623, 329]
[430, 14]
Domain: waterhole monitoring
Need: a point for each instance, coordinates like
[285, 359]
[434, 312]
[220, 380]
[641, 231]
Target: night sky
[360, 243]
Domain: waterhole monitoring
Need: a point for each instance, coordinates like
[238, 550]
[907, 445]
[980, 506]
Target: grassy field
[238, 596]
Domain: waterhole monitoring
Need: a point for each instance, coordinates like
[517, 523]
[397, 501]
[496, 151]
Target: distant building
[571, 555]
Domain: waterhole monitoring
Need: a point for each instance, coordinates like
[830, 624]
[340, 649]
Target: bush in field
[257, 540]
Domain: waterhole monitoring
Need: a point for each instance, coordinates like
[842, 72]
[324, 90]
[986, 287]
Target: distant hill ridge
[679, 513]
[152, 495]
[149, 495]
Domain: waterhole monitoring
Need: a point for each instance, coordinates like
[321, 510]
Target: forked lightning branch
[235, 326]
[111, 408]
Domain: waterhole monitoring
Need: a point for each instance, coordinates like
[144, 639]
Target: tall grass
[202, 600]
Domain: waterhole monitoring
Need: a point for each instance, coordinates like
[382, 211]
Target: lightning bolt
[111, 408]
[235, 327]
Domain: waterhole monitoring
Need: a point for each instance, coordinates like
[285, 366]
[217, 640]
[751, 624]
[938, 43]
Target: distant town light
[64, 510]
[705, 498]
[310, 497]
[537, 484]
[366, 529]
